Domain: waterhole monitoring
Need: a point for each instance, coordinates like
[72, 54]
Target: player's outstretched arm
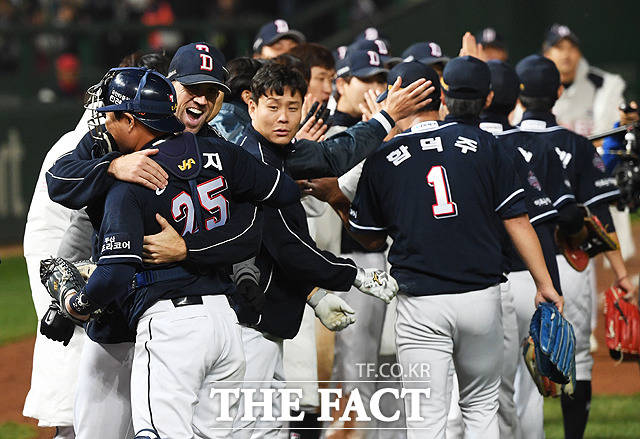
[525, 240]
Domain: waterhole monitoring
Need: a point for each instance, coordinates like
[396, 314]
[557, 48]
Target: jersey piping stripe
[383, 121]
[542, 215]
[146, 347]
[562, 198]
[261, 155]
[274, 186]
[311, 248]
[64, 155]
[365, 227]
[509, 198]
[426, 129]
[601, 197]
[255, 211]
[268, 282]
[511, 131]
[76, 179]
[120, 256]
[242, 143]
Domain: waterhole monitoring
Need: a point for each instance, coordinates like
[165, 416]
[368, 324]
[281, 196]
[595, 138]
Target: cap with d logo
[199, 63]
[274, 31]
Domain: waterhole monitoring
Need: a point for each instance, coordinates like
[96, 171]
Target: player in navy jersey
[519, 291]
[447, 250]
[586, 178]
[210, 184]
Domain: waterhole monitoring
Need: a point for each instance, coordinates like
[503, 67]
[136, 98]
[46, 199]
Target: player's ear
[252, 106]
[245, 96]
[131, 122]
[489, 99]
[340, 83]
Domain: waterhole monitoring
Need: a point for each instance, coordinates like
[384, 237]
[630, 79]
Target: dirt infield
[609, 377]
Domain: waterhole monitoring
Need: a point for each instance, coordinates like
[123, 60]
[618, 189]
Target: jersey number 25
[211, 200]
[437, 179]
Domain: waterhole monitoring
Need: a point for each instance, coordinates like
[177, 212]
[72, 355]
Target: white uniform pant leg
[51, 396]
[181, 354]
[436, 330]
[576, 289]
[455, 425]
[264, 371]
[103, 402]
[507, 414]
[476, 357]
[529, 402]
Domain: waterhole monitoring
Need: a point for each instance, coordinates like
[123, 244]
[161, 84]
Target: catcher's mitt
[592, 240]
[553, 354]
[622, 325]
[61, 279]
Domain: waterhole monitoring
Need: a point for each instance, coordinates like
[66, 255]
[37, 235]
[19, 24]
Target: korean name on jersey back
[440, 190]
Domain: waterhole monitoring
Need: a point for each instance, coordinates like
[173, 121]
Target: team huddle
[200, 205]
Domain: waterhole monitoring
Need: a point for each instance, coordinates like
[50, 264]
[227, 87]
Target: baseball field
[615, 408]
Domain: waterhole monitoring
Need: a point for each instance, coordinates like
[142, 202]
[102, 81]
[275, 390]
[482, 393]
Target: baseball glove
[622, 323]
[592, 240]
[553, 355]
[61, 279]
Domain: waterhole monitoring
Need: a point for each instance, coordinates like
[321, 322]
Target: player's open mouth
[194, 115]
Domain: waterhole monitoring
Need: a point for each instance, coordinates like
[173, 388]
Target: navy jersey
[583, 166]
[207, 200]
[290, 263]
[440, 191]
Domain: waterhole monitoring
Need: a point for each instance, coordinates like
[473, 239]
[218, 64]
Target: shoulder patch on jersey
[180, 156]
[596, 79]
[533, 181]
[598, 163]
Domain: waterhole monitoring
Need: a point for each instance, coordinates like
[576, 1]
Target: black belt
[186, 301]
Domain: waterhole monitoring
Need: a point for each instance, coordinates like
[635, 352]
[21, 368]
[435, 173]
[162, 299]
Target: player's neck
[414, 119]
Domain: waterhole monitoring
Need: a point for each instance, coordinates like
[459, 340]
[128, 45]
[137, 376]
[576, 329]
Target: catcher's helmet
[144, 93]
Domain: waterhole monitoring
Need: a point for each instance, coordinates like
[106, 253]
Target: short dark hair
[293, 61]
[542, 103]
[314, 55]
[274, 77]
[156, 60]
[241, 72]
[464, 107]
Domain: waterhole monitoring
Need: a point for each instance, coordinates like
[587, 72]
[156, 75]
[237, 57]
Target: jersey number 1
[437, 179]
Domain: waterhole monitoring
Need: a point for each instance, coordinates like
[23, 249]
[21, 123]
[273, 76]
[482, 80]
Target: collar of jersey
[487, 116]
[537, 119]
[280, 151]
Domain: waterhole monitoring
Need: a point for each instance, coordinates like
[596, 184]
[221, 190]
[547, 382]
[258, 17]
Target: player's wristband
[80, 304]
[385, 120]
[317, 297]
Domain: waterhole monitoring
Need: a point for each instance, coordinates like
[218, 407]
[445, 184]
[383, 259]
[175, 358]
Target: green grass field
[17, 316]
[612, 417]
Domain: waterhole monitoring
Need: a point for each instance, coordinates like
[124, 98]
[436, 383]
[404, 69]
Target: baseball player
[276, 38]
[428, 53]
[542, 215]
[290, 257]
[56, 230]
[591, 187]
[449, 296]
[219, 177]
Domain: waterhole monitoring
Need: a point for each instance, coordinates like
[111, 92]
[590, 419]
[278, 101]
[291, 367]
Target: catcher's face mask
[104, 142]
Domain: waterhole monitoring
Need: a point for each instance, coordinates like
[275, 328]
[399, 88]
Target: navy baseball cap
[504, 83]
[361, 64]
[410, 72]
[379, 46]
[274, 31]
[489, 37]
[426, 52]
[559, 32]
[466, 77]
[199, 63]
[539, 77]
